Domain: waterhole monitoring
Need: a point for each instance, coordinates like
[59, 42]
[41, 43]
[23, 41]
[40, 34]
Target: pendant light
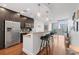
[47, 16]
[38, 13]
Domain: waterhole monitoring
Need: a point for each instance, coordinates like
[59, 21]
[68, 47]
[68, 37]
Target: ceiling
[29, 9]
[48, 11]
[63, 10]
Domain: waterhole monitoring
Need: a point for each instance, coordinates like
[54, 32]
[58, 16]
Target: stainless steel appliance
[11, 34]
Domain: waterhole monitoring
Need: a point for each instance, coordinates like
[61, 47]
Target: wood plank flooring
[17, 50]
[43, 52]
[14, 50]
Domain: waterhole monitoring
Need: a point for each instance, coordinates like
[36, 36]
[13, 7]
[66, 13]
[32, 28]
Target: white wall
[74, 38]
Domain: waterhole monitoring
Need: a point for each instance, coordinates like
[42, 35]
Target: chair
[45, 43]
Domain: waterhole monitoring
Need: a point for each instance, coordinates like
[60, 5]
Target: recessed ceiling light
[28, 9]
[24, 10]
[38, 14]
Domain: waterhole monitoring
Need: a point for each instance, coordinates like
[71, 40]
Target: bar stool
[45, 43]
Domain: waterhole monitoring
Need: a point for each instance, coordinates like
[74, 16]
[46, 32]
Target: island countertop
[32, 42]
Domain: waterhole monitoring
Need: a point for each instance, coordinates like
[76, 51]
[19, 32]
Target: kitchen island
[32, 42]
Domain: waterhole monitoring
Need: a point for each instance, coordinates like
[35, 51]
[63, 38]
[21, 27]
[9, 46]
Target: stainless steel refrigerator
[10, 32]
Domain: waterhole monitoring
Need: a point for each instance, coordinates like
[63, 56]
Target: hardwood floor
[57, 47]
[17, 50]
[43, 52]
[14, 50]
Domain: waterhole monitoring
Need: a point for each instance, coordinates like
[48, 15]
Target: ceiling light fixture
[47, 19]
[38, 14]
[28, 9]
